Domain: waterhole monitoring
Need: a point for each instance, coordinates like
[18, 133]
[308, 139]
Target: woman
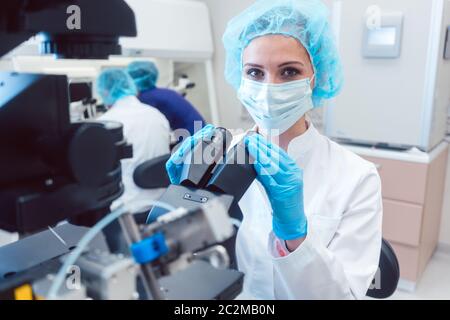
[144, 127]
[180, 113]
[312, 221]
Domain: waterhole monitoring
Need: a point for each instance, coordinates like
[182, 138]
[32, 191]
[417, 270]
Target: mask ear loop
[311, 80]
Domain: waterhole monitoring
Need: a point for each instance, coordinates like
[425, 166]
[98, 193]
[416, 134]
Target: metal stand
[132, 235]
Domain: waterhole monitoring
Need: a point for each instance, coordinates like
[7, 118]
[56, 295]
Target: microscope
[55, 170]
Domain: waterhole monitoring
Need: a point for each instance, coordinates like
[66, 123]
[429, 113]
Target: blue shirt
[178, 111]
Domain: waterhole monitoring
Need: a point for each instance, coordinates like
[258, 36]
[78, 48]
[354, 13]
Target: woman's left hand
[283, 181]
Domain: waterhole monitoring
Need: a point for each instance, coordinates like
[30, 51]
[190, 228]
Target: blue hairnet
[144, 73]
[304, 20]
[114, 84]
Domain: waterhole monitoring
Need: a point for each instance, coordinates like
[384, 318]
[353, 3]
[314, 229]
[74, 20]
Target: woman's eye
[255, 73]
[290, 73]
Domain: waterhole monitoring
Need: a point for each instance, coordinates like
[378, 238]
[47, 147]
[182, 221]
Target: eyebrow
[253, 65]
[290, 62]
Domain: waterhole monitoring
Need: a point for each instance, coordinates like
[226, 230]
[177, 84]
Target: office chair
[388, 274]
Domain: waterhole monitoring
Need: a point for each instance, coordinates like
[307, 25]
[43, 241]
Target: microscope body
[212, 168]
[54, 170]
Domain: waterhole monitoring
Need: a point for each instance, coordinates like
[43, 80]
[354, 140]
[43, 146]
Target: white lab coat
[339, 257]
[148, 131]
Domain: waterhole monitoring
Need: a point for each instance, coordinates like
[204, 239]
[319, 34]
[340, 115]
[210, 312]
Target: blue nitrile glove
[175, 164]
[283, 181]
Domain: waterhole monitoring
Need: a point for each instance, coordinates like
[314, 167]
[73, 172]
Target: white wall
[221, 11]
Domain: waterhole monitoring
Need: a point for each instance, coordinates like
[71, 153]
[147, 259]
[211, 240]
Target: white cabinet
[399, 101]
[413, 193]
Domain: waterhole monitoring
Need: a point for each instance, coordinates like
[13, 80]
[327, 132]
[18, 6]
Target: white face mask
[276, 106]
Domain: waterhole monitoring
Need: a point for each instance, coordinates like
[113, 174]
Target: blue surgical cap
[304, 20]
[115, 84]
[144, 73]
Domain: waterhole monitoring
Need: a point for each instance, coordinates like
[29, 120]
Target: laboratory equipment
[384, 40]
[51, 165]
[190, 51]
[183, 85]
[210, 169]
[191, 47]
[55, 170]
[83, 106]
[396, 78]
[93, 39]
[173, 254]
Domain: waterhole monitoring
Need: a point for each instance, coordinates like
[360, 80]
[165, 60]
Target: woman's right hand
[283, 181]
[174, 165]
